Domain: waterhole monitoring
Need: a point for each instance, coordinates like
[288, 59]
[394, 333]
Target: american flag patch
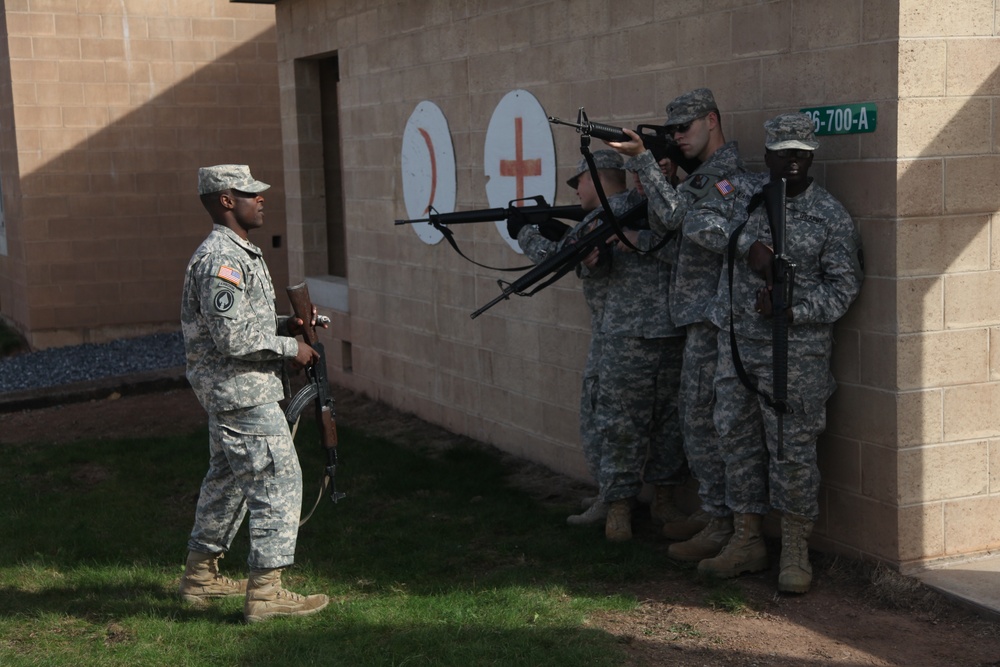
[725, 187]
[230, 274]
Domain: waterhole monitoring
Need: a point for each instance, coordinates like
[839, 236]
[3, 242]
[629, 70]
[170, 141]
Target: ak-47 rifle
[566, 258]
[783, 271]
[535, 214]
[654, 137]
[317, 393]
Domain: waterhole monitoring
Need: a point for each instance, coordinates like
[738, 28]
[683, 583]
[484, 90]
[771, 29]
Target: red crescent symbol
[434, 172]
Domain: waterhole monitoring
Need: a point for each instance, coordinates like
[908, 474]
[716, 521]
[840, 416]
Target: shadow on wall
[119, 207]
[907, 464]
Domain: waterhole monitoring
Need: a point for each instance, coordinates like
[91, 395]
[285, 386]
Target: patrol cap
[228, 177]
[603, 159]
[790, 130]
[692, 104]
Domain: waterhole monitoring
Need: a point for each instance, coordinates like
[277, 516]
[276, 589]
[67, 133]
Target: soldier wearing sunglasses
[694, 121]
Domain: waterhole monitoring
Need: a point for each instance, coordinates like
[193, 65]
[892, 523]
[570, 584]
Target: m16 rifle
[539, 213]
[783, 271]
[654, 137]
[563, 261]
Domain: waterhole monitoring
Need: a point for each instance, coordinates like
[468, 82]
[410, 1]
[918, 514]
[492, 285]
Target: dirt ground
[855, 615]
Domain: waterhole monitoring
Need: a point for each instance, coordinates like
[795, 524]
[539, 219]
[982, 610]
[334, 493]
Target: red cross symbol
[520, 168]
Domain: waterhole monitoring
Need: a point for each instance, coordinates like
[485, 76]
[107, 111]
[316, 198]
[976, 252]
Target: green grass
[431, 560]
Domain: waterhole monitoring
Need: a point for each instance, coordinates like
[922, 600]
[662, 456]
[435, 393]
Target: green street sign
[843, 118]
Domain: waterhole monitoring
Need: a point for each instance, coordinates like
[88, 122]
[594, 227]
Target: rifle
[535, 214]
[783, 272]
[654, 137]
[562, 262]
[316, 392]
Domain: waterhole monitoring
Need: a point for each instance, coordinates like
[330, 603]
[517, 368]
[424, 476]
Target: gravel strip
[80, 363]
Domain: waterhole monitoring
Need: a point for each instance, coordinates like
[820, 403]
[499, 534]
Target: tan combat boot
[596, 512]
[688, 527]
[618, 525]
[706, 543]
[663, 509]
[267, 599]
[746, 551]
[796, 572]
[202, 582]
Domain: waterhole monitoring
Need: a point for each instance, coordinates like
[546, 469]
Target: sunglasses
[786, 153]
[682, 129]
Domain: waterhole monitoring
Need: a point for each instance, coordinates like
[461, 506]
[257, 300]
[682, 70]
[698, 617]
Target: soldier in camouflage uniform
[695, 123]
[537, 246]
[636, 413]
[236, 346]
[825, 248]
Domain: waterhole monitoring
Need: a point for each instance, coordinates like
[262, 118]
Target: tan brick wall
[114, 107]
[910, 455]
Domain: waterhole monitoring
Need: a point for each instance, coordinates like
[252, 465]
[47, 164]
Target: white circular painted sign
[519, 157]
[428, 161]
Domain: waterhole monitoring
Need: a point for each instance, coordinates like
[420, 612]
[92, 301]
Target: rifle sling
[451, 241]
[741, 370]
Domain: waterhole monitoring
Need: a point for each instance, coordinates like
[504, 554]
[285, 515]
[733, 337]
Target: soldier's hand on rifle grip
[297, 327]
[592, 259]
[516, 221]
[764, 305]
[305, 357]
[630, 148]
[761, 261]
[633, 238]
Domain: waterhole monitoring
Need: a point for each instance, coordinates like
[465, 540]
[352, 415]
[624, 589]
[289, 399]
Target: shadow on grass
[433, 558]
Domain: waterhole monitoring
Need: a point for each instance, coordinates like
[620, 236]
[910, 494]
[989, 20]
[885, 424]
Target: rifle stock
[563, 261]
[535, 213]
[302, 307]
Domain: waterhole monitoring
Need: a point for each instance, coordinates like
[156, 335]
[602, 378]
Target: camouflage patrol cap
[790, 130]
[603, 159]
[692, 104]
[228, 177]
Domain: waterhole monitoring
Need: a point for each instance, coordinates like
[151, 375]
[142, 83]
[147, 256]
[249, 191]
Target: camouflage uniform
[536, 247]
[695, 276]
[235, 349]
[825, 247]
[639, 371]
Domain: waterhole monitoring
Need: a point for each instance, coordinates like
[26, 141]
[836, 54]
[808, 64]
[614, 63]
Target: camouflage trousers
[758, 476]
[253, 468]
[636, 415]
[590, 438]
[696, 404]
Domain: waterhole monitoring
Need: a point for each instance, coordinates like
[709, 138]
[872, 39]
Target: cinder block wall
[906, 457]
[112, 107]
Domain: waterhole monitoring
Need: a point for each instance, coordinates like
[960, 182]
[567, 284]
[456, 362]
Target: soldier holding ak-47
[795, 263]
[236, 346]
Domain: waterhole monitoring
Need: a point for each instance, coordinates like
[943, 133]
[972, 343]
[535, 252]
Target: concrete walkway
[975, 583]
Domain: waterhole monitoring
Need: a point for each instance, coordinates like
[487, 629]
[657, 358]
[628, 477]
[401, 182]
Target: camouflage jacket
[695, 268]
[231, 330]
[638, 287]
[823, 244]
[537, 248]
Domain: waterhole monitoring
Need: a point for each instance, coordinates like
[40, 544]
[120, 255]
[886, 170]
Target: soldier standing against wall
[537, 244]
[236, 346]
[824, 245]
[639, 374]
[694, 121]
